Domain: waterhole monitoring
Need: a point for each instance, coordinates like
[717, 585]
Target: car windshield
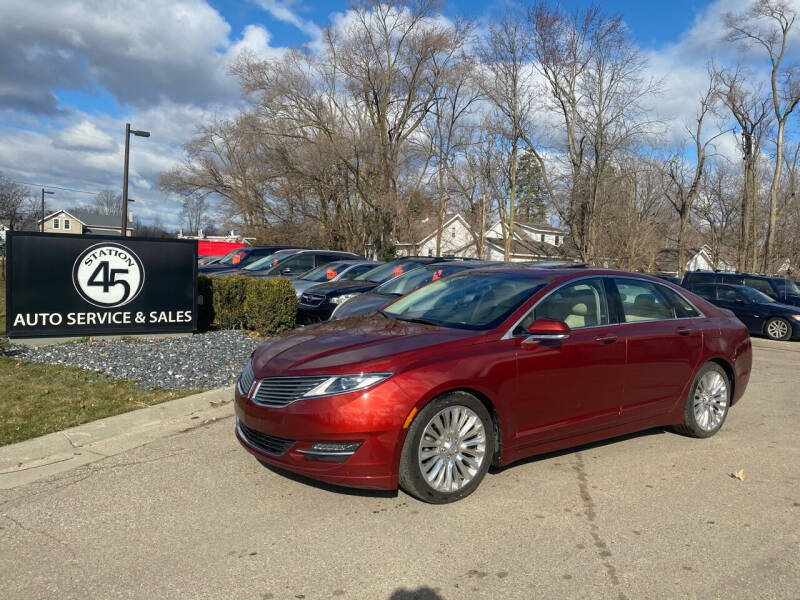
[325, 272]
[787, 287]
[411, 280]
[466, 301]
[228, 258]
[269, 261]
[388, 271]
[754, 295]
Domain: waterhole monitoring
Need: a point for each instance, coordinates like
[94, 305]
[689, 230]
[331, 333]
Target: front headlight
[796, 317]
[342, 298]
[340, 384]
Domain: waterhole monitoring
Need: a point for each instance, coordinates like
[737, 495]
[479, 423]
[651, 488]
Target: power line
[55, 187]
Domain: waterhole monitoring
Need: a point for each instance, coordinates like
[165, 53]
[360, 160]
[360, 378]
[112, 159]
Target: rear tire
[448, 449]
[778, 329]
[708, 402]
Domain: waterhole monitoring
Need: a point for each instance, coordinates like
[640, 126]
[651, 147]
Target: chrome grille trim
[312, 299]
[245, 380]
[277, 392]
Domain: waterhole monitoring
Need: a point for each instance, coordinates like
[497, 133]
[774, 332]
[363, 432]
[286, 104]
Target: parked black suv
[781, 290]
[241, 257]
[318, 302]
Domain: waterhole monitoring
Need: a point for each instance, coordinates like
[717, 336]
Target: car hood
[226, 271]
[363, 304]
[337, 288]
[781, 308]
[301, 285]
[216, 268]
[335, 345]
[791, 300]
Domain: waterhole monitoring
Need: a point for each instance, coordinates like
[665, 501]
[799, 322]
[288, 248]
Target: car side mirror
[286, 271]
[546, 329]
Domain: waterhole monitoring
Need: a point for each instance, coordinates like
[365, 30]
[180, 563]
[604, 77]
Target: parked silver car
[343, 270]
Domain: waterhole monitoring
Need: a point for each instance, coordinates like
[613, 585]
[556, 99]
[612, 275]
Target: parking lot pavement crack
[37, 532]
[590, 510]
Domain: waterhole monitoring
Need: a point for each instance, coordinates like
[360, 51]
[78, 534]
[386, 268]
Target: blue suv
[781, 290]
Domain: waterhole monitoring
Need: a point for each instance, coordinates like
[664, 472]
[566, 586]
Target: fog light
[332, 451]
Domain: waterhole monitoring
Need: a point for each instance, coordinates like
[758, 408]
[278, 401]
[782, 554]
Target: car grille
[280, 391]
[267, 443]
[312, 299]
[246, 379]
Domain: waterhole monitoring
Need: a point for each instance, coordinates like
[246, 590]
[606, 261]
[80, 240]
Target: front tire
[778, 329]
[448, 449]
[708, 402]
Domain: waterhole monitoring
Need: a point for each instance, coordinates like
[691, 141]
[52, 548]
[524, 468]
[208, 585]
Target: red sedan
[489, 366]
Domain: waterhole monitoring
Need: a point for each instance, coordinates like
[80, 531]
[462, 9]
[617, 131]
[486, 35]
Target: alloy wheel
[777, 329]
[710, 400]
[452, 448]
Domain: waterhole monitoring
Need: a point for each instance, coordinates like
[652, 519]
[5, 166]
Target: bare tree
[684, 180]
[194, 212]
[107, 202]
[595, 77]
[767, 23]
[13, 201]
[750, 108]
[508, 85]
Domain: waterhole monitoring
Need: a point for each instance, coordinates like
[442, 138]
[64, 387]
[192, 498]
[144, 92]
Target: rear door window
[704, 291]
[762, 285]
[729, 294]
[683, 308]
[730, 279]
[643, 301]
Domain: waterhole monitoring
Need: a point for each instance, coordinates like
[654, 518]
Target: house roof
[59, 212]
[528, 247]
[91, 219]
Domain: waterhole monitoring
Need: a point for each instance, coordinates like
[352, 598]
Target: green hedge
[229, 301]
[268, 305]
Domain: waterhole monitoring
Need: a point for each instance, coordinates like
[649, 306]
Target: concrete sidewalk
[61, 451]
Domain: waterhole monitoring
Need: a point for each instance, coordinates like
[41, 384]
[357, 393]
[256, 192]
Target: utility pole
[44, 191]
[128, 131]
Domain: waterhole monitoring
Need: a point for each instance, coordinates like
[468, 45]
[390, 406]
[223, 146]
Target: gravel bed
[202, 361]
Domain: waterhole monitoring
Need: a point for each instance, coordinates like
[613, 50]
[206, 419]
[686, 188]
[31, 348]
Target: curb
[37, 458]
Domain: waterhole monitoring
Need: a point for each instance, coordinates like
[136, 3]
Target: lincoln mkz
[486, 367]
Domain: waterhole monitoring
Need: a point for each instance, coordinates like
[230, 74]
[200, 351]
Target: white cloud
[283, 10]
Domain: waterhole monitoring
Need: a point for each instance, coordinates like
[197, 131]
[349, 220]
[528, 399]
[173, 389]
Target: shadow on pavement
[423, 593]
[328, 487]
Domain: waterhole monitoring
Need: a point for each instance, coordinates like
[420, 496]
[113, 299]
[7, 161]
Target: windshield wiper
[417, 320]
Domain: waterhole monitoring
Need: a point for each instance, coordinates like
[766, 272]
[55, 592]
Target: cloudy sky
[73, 72]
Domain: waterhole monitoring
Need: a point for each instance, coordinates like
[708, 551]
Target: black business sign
[78, 285]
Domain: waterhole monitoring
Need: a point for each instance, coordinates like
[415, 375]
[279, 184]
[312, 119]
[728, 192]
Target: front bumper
[308, 315]
[373, 417]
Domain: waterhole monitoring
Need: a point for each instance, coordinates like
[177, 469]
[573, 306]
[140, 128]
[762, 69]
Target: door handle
[683, 331]
[606, 339]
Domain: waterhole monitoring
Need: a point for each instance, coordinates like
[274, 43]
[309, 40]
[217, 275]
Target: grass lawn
[36, 399]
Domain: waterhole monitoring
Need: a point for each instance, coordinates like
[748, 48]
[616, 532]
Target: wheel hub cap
[452, 448]
[710, 400]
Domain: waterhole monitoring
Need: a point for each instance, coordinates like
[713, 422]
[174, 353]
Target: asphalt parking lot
[653, 515]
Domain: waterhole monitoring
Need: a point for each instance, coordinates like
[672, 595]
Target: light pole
[44, 191]
[128, 131]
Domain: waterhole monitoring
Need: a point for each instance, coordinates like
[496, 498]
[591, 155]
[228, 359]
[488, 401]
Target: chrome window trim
[508, 335]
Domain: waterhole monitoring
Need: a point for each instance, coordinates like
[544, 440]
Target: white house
[535, 233]
[3, 230]
[530, 242]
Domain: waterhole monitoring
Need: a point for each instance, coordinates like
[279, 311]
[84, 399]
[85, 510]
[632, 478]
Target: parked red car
[487, 367]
